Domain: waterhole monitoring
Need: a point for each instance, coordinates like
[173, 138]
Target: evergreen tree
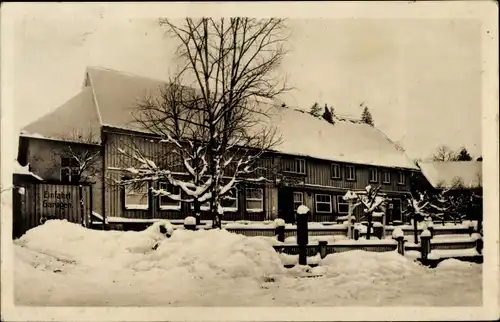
[463, 155]
[327, 115]
[315, 110]
[366, 116]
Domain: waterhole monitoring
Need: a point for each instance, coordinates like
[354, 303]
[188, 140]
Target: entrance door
[285, 204]
[396, 209]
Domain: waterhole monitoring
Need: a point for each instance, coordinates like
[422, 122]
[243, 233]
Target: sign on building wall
[44, 201]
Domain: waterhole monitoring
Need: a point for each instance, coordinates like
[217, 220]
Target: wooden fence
[34, 203]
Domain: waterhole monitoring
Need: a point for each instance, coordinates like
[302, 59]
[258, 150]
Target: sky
[420, 78]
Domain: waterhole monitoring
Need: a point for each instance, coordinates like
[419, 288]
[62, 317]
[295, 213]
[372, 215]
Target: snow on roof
[305, 135]
[110, 98]
[77, 114]
[450, 174]
[19, 169]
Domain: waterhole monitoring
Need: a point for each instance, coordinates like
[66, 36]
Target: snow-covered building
[451, 175]
[317, 162]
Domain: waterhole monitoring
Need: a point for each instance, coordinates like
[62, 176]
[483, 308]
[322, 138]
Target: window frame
[374, 170]
[301, 199]
[137, 206]
[235, 198]
[316, 202]
[168, 207]
[347, 177]
[401, 174]
[300, 162]
[261, 199]
[71, 166]
[341, 201]
[337, 167]
[384, 172]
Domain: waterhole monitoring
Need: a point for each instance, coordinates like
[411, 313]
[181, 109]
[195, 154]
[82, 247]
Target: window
[342, 205]
[137, 196]
[299, 166]
[336, 171]
[351, 173]
[230, 201]
[387, 176]
[169, 203]
[70, 170]
[401, 177]
[373, 175]
[298, 199]
[323, 203]
[255, 199]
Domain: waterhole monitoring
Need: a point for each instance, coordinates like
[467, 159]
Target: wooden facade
[36, 202]
[292, 180]
[320, 183]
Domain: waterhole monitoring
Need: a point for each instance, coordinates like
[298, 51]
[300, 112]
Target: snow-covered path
[61, 264]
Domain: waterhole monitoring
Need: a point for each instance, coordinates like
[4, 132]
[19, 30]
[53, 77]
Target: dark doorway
[285, 204]
[396, 210]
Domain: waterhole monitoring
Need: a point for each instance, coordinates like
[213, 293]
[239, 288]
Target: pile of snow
[64, 264]
[216, 253]
[453, 264]
[387, 265]
[190, 221]
[72, 242]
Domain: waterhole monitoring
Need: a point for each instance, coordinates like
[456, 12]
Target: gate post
[302, 233]
[82, 212]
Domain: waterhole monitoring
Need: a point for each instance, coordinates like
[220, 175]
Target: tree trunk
[216, 218]
[415, 228]
[197, 212]
[368, 232]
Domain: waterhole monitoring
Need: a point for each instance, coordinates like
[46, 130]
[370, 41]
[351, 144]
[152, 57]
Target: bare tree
[83, 158]
[444, 153]
[371, 201]
[212, 114]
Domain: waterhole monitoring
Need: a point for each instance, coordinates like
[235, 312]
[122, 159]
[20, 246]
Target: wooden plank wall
[44, 200]
[160, 153]
[318, 172]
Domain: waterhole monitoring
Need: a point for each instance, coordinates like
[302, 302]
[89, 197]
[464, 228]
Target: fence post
[279, 229]
[378, 230]
[479, 245]
[430, 228]
[425, 244]
[302, 233]
[322, 248]
[356, 233]
[399, 236]
[190, 223]
[470, 228]
[82, 212]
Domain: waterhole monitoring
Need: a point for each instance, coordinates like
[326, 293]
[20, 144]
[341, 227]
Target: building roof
[453, 174]
[110, 98]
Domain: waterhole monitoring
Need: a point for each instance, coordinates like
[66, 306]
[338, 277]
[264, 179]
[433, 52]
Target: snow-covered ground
[64, 264]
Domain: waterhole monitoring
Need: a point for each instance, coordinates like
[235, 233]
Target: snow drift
[60, 263]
